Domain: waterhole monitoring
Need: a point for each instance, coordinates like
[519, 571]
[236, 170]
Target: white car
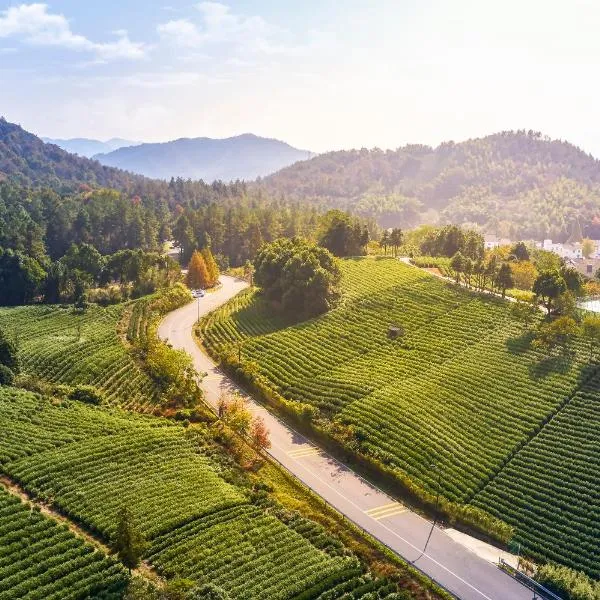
[197, 293]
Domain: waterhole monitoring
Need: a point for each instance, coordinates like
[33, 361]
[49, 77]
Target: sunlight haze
[318, 74]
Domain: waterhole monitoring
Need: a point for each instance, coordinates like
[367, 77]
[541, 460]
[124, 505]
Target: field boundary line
[13, 488]
[535, 433]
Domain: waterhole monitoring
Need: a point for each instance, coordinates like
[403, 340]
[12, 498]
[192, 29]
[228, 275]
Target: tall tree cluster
[236, 230]
[298, 278]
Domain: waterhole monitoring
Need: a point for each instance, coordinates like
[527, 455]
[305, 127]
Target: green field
[200, 523]
[61, 346]
[461, 388]
[40, 559]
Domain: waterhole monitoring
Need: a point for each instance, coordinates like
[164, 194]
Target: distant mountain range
[514, 184]
[87, 147]
[244, 157]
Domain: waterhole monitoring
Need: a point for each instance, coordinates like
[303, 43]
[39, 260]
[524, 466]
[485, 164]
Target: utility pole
[437, 504]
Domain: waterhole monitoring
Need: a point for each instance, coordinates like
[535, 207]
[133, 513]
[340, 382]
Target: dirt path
[144, 570]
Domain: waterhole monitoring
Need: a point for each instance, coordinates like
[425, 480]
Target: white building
[493, 241]
[573, 251]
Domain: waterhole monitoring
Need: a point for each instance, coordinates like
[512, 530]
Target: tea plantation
[41, 559]
[201, 524]
[62, 346]
[511, 430]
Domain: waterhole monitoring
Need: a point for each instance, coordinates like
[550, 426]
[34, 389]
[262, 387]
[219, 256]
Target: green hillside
[200, 518]
[461, 388]
[515, 184]
[60, 346]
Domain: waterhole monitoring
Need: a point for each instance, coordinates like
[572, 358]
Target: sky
[319, 74]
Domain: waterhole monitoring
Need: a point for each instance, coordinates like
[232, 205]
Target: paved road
[452, 565]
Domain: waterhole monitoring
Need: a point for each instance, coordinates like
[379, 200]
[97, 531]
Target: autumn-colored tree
[524, 274]
[587, 248]
[259, 434]
[236, 415]
[198, 276]
[211, 266]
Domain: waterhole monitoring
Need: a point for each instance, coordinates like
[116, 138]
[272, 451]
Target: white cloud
[241, 34]
[180, 32]
[33, 24]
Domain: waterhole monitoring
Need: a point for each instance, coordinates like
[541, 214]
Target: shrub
[87, 394]
[7, 377]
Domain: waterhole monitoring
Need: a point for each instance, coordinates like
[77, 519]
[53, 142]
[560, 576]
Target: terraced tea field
[41, 559]
[88, 462]
[460, 388]
[61, 346]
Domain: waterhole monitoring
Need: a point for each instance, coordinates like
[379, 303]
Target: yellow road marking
[301, 452]
[387, 510]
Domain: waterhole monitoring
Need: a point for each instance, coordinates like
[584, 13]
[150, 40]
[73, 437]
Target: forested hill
[519, 184]
[242, 157]
[27, 160]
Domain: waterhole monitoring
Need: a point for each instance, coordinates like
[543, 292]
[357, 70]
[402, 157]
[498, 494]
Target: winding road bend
[452, 565]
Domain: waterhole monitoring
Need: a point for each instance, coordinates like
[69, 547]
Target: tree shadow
[558, 363]
[521, 343]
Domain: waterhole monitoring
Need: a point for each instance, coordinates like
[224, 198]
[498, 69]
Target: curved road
[452, 565]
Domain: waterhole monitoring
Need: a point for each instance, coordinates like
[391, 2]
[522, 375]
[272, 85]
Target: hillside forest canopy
[515, 184]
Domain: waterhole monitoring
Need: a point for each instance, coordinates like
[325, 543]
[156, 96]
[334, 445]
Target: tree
[85, 260]
[588, 248]
[211, 266]
[591, 331]
[396, 238]
[259, 434]
[557, 333]
[197, 276]
[524, 274]
[8, 353]
[573, 280]
[457, 264]
[129, 543]
[520, 251]
[236, 415]
[297, 277]
[524, 311]
[504, 279]
[342, 235]
[548, 286]
[566, 304]
[385, 241]
[208, 591]
[21, 278]
[7, 377]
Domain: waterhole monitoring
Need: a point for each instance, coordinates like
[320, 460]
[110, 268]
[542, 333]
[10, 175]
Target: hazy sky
[319, 74]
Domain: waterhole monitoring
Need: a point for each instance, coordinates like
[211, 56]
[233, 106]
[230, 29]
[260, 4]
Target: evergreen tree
[129, 542]
[198, 276]
[504, 280]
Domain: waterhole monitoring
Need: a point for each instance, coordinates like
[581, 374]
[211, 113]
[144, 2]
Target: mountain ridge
[513, 183]
[242, 157]
[88, 147]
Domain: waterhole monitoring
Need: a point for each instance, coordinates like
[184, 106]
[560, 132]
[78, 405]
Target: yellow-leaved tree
[211, 266]
[197, 276]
